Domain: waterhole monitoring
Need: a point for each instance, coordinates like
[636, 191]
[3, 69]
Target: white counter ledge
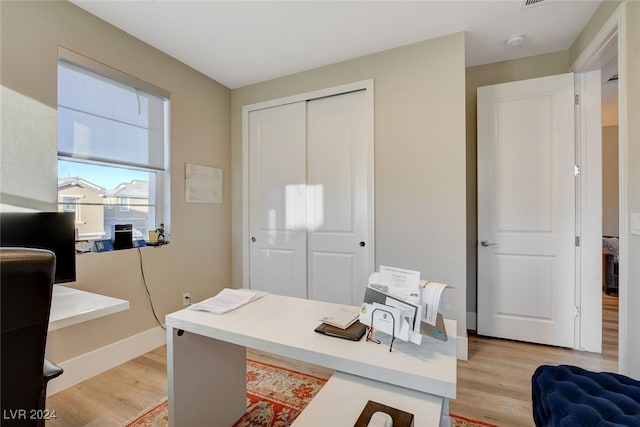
[71, 306]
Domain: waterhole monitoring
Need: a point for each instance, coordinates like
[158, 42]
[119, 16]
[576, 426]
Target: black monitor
[54, 231]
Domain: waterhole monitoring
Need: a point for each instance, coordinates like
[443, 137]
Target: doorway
[601, 49]
[610, 204]
[603, 55]
[526, 211]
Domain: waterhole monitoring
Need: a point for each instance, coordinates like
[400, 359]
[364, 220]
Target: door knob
[485, 243]
[362, 244]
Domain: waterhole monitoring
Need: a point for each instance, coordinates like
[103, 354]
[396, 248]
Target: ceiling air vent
[529, 3]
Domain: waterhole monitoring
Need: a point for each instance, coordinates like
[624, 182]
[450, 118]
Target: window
[112, 148]
[69, 204]
[124, 204]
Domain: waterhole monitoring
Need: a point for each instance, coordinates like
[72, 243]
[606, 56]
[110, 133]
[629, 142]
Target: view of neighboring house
[85, 199]
[128, 203]
[97, 210]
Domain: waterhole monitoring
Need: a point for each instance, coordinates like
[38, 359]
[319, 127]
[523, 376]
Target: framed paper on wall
[203, 184]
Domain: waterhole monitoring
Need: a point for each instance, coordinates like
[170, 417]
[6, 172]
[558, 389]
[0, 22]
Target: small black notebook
[353, 332]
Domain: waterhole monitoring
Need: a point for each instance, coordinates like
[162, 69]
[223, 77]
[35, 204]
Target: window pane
[95, 137]
[108, 196]
[100, 96]
[103, 176]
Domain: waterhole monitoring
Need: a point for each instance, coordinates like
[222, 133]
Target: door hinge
[577, 99]
[576, 170]
[577, 311]
[577, 240]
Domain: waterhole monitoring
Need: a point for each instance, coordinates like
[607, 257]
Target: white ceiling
[238, 43]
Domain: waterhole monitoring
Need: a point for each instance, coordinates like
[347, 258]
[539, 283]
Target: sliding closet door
[338, 188]
[277, 200]
[310, 190]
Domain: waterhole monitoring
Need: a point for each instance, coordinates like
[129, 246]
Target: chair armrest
[51, 370]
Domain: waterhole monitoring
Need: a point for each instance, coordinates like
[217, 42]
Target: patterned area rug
[275, 397]
[460, 421]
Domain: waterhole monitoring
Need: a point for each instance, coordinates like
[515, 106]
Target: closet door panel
[277, 200]
[338, 187]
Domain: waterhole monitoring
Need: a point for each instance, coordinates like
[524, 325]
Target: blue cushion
[565, 396]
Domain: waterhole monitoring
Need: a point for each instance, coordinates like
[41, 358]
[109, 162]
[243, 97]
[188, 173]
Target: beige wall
[610, 199]
[485, 75]
[419, 154]
[198, 257]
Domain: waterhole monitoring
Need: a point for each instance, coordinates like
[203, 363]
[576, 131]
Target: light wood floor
[494, 385]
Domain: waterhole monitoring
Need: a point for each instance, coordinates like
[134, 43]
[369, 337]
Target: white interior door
[277, 200]
[339, 190]
[526, 211]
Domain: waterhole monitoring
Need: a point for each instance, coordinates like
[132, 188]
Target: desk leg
[445, 419]
[207, 380]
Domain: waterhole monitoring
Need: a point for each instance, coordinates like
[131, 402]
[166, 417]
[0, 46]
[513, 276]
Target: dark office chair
[26, 285]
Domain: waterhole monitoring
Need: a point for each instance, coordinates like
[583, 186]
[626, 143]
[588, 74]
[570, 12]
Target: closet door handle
[362, 244]
[253, 239]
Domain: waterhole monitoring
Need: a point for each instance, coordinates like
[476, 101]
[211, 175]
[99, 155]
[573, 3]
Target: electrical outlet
[186, 299]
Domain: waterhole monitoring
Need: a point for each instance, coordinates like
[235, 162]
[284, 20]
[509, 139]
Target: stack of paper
[431, 300]
[397, 301]
[404, 284]
[227, 300]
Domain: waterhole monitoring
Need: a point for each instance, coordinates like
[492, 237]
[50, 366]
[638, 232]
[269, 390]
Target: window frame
[159, 188]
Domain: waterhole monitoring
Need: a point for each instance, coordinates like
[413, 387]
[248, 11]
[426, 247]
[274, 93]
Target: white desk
[344, 396]
[70, 306]
[207, 364]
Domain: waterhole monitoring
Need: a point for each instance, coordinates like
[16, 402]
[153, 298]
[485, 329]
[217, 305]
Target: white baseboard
[93, 363]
